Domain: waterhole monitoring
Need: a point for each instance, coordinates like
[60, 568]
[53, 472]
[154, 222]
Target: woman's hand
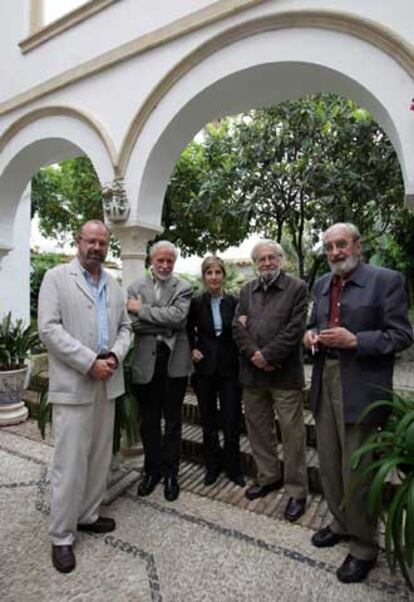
[197, 356]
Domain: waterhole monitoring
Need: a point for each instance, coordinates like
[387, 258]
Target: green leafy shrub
[393, 449]
[16, 340]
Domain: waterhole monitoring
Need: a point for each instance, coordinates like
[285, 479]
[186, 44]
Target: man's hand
[259, 361]
[337, 337]
[134, 305]
[112, 361]
[311, 340]
[101, 369]
[197, 356]
[243, 321]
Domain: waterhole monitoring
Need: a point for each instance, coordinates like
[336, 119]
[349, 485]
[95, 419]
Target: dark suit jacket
[220, 353]
[276, 320]
[374, 308]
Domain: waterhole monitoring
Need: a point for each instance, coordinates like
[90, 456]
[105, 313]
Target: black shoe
[258, 490]
[326, 538]
[147, 484]
[295, 508]
[171, 489]
[238, 479]
[103, 524]
[354, 569]
[63, 558]
[211, 476]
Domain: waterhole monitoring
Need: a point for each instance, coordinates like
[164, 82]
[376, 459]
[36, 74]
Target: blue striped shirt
[99, 295]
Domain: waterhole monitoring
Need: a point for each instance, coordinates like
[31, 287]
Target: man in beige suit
[84, 324]
[159, 304]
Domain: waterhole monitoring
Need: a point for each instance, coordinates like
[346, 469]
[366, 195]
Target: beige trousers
[336, 442]
[259, 406]
[83, 451]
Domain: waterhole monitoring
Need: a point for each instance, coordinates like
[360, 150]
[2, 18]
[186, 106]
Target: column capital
[134, 239]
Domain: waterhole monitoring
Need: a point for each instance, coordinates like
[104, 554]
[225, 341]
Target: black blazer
[220, 353]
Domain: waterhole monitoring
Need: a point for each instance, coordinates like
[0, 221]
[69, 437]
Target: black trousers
[162, 397]
[209, 389]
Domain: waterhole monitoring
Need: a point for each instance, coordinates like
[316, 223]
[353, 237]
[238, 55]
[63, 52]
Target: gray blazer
[67, 326]
[374, 308]
[168, 318]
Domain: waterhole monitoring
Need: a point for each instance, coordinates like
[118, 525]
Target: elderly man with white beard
[268, 327]
[358, 322]
[158, 305]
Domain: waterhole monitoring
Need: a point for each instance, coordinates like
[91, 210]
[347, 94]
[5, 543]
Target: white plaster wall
[123, 21]
[15, 267]
[126, 20]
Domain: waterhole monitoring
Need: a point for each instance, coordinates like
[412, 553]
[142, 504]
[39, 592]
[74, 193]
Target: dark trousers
[228, 392]
[162, 397]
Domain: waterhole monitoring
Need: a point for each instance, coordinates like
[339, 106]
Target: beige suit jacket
[67, 326]
[168, 318]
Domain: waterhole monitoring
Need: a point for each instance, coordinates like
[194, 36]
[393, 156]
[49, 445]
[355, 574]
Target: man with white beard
[268, 327]
[358, 322]
[158, 305]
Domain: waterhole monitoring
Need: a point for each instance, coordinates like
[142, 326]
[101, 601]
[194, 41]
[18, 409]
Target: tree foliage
[65, 196]
[201, 213]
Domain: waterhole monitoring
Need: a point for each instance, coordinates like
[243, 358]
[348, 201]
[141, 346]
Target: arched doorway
[32, 142]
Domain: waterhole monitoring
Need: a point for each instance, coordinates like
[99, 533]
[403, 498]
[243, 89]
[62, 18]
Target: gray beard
[268, 275]
[161, 278]
[341, 268]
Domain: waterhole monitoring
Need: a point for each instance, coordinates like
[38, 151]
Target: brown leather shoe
[103, 524]
[63, 558]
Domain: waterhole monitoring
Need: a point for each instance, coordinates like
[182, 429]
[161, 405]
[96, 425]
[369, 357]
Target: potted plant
[393, 450]
[15, 343]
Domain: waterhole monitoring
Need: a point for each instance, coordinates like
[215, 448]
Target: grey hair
[269, 243]
[166, 244]
[351, 228]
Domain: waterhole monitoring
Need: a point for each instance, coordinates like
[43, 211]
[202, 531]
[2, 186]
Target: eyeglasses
[340, 245]
[102, 244]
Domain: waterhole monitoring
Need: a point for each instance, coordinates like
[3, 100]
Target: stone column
[134, 240]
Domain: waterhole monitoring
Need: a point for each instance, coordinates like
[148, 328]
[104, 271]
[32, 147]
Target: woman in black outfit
[215, 358]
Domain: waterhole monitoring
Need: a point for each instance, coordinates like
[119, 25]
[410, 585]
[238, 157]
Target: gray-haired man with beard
[268, 326]
[358, 322]
[159, 304]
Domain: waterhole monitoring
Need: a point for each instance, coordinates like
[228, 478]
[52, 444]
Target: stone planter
[12, 383]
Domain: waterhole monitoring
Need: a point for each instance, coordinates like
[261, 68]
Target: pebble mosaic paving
[196, 549]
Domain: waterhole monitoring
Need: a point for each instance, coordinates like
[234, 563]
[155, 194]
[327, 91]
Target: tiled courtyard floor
[212, 544]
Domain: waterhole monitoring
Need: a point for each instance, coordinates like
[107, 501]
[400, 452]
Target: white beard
[345, 266]
[268, 275]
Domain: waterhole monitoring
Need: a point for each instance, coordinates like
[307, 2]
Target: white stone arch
[264, 68]
[39, 138]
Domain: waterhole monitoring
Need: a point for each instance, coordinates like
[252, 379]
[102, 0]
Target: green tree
[305, 164]
[201, 212]
[66, 195]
